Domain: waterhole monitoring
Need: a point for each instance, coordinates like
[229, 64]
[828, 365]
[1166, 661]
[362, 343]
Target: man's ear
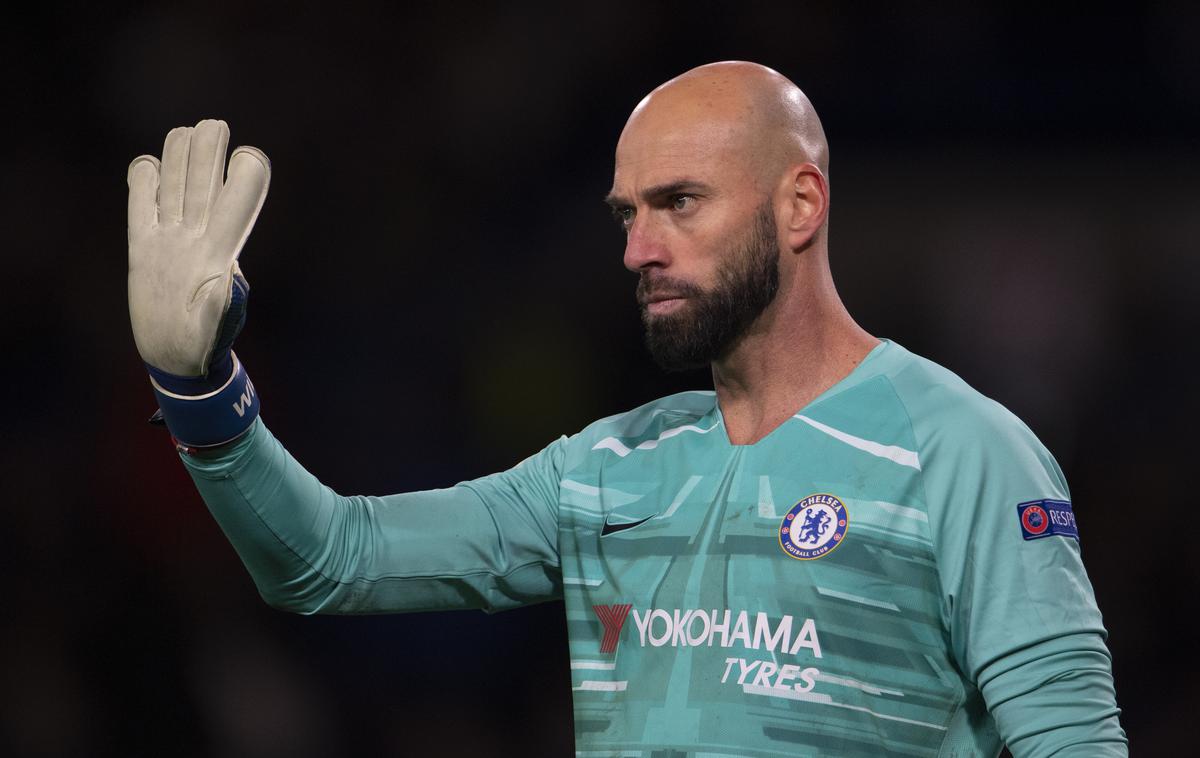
[807, 205]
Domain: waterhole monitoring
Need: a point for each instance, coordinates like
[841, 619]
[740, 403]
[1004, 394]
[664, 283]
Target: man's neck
[785, 362]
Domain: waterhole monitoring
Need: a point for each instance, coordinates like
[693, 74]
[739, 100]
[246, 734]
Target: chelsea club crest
[814, 527]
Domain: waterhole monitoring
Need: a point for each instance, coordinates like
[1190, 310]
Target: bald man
[843, 550]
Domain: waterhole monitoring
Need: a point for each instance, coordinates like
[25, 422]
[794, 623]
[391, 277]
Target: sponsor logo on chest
[746, 630]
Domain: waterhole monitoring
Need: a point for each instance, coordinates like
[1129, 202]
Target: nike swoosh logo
[608, 528]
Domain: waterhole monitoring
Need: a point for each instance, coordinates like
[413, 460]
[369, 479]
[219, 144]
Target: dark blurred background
[438, 292]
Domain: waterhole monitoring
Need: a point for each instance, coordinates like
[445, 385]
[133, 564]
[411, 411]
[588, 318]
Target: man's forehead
[676, 135]
[669, 153]
[682, 119]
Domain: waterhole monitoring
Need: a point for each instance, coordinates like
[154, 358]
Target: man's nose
[645, 249]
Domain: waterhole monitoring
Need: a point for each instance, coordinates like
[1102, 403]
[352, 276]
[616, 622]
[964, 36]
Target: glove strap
[205, 411]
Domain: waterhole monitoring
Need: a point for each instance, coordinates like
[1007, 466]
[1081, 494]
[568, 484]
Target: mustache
[653, 286]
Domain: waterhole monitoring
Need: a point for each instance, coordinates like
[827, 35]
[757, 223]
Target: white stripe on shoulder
[621, 449]
[589, 497]
[893, 453]
[592, 685]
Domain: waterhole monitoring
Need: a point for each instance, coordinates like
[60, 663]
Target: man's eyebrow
[677, 187]
[613, 200]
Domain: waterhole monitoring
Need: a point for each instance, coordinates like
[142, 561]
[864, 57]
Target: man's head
[720, 186]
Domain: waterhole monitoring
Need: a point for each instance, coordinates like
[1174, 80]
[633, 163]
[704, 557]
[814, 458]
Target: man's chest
[701, 519]
[787, 573]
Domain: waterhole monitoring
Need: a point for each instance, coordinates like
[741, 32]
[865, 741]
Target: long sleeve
[1022, 617]
[490, 543]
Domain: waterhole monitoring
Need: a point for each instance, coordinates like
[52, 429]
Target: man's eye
[623, 216]
[682, 202]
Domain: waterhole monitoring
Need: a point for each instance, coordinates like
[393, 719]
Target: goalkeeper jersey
[895, 570]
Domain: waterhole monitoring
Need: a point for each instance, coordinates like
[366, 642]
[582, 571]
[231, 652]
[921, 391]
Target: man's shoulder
[937, 399]
[951, 420]
[649, 420]
[670, 409]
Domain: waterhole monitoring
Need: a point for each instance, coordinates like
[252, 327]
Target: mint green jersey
[892, 571]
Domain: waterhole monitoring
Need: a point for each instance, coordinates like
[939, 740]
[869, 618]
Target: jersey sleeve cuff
[206, 411]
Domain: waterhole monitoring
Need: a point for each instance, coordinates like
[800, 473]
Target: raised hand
[188, 222]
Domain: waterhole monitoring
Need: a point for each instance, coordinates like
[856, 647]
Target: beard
[711, 322]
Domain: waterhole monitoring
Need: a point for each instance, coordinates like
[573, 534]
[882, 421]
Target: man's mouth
[657, 305]
[660, 295]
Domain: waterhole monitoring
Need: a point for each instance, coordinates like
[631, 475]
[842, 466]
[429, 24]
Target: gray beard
[711, 322]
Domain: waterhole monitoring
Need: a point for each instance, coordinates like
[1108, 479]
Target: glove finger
[206, 161]
[239, 201]
[142, 179]
[173, 174]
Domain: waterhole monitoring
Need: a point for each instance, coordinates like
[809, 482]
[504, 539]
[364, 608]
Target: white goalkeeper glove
[187, 295]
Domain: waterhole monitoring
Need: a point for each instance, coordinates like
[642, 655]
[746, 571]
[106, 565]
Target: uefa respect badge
[1043, 518]
[814, 527]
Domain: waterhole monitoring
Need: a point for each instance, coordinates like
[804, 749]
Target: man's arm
[1023, 619]
[490, 543]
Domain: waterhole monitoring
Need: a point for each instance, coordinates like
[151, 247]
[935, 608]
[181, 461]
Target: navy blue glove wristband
[207, 411]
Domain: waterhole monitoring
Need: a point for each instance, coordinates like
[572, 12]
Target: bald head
[744, 110]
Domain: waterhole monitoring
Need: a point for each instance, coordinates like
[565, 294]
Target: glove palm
[186, 230]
